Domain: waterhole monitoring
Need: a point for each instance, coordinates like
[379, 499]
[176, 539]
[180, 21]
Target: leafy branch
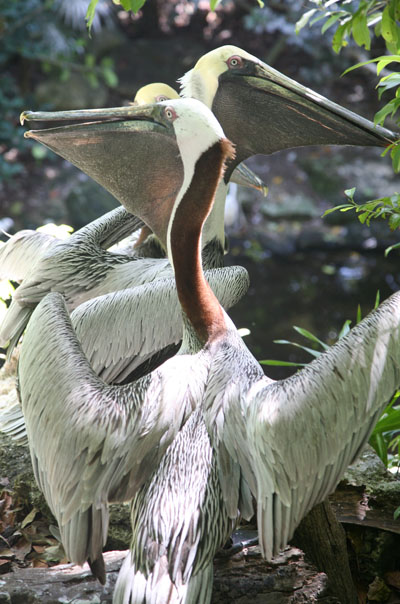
[359, 21]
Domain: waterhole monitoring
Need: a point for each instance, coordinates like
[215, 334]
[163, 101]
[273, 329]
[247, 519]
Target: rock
[243, 579]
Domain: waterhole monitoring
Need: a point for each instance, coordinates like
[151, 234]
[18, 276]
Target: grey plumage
[79, 267]
[287, 443]
[82, 463]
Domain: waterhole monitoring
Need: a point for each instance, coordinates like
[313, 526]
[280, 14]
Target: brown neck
[195, 295]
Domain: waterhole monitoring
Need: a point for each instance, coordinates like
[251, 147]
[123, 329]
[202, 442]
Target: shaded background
[304, 271]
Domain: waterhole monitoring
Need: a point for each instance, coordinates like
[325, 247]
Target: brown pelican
[283, 114]
[80, 268]
[262, 110]
[156, 92]
[102, 442]
[286, 443]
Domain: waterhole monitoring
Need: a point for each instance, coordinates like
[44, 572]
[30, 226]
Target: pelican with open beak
[263, 111]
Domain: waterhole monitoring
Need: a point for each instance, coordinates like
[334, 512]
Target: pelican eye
[170, 114]
[161, 97]
[234, 62]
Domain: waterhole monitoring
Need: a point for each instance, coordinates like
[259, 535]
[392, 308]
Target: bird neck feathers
[195, 295]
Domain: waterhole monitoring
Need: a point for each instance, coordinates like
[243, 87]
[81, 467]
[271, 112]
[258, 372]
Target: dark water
[317, 291]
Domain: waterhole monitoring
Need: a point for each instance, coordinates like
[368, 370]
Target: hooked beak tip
[23, 117]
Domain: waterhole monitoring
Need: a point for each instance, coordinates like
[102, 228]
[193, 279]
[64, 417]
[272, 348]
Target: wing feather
[92, 443]
[304, 431]
[118, 331]
[21, 251]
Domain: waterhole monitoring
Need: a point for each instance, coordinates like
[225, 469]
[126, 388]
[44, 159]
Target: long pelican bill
[263, 111]
[120, 148]
[280, 113]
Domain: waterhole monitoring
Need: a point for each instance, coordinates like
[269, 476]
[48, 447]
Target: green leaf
[381, 61]
[396, 9]
[394, 221]
[360, 31]
[350, 192]
[338, 40]
[342, 207]
[345, 329]
[390, 248]
[359, 315]
[136, 5]
[90, 13]
[214, 4]
[304, 19]
[396, 513]
[390, 81]
[314, 353]
[389, 422]
[395, 155]
[363, 217]
[329, 22]
[378, 443]
[377, 299]
[385, 61]
[260, 3]
[386, 110]
[281, 363]
[310, 336]
[389, 27]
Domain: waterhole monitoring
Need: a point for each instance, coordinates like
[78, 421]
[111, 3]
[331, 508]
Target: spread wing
[75, 267]
[92, 443]
[295, 438]
[21, 251]
[122, 330]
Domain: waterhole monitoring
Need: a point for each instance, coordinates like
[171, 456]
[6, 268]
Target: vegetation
[362, 22]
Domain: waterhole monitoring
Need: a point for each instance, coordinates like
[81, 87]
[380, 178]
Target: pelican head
[154, 93]
[263, 111]
[137, 153]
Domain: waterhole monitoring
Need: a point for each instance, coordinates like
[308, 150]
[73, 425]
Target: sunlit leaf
[281, 363]
[343, 207]
[378, 443]
[391, 248]
[331, 21]
[136, 5]
[389, 27]
[359, 315]
[377, 299]
[350, 192]
[338, 40]
[345, 329]
[302, 22]
[395, 155]
[388, 422]
[90, 13]
[310, 336]
[360, 30]
[314, 353]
